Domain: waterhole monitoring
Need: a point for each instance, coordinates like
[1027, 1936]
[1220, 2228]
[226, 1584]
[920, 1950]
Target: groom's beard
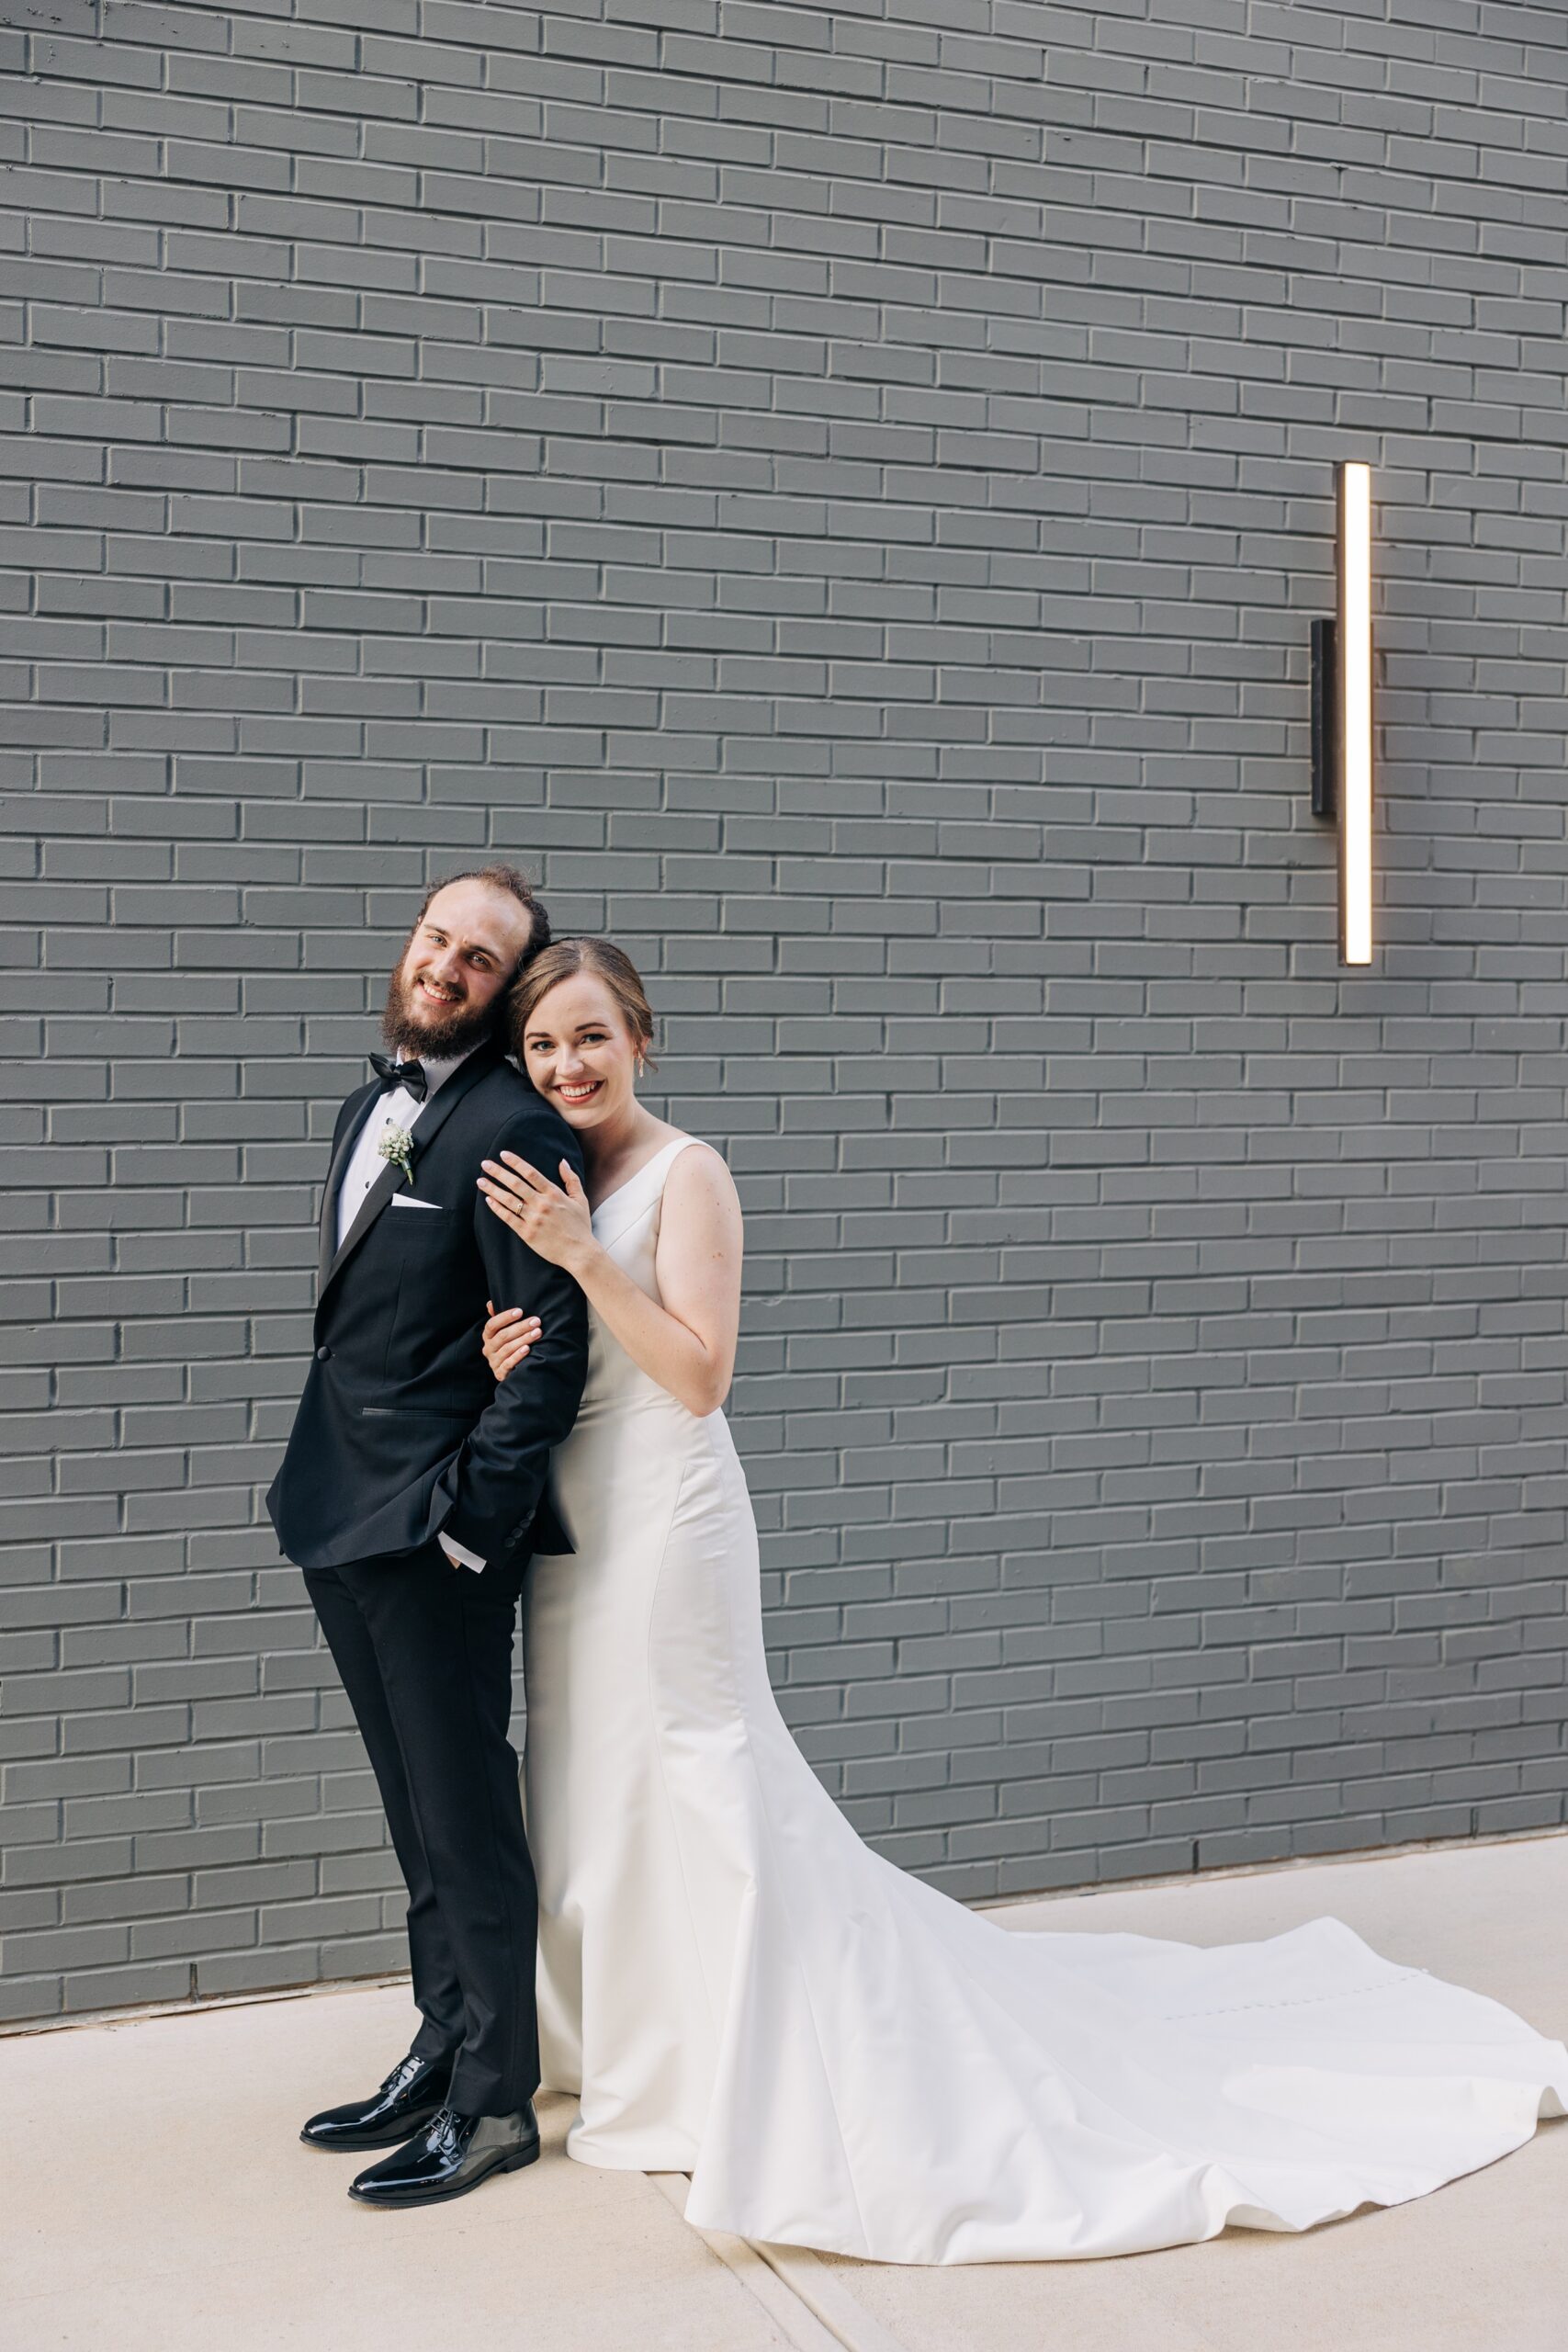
[413, 1032]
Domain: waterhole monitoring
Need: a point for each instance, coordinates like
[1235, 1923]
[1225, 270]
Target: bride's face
[580, 1053]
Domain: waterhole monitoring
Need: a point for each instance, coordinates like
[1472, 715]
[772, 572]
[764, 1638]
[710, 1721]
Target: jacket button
[322, 1354]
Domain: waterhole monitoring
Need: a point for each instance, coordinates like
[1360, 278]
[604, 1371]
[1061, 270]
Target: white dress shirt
[397, 1108]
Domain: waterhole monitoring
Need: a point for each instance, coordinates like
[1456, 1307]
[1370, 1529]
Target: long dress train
[735, 1986]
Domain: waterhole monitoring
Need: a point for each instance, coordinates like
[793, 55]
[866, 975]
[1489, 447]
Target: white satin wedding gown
[733, 1985]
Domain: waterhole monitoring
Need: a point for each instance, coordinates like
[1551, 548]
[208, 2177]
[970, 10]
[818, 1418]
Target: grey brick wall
[843, 493]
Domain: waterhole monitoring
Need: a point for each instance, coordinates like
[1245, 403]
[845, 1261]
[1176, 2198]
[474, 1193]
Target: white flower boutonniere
[397, 1145]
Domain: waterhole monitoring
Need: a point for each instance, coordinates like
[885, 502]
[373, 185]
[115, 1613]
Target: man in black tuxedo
[412, 1494]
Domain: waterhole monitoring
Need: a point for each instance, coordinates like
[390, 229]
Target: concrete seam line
[807, 2276]
[797, 2323]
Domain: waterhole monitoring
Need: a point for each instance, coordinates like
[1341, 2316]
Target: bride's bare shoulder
[697, 1165]
[699, 1182]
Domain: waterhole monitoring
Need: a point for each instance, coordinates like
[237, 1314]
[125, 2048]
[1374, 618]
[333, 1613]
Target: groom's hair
[511, 883]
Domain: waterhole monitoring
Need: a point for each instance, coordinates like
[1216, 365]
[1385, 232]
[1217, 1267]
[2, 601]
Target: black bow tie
[410, 1076]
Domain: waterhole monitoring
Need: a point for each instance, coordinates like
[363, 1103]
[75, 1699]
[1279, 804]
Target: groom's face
[445, 991]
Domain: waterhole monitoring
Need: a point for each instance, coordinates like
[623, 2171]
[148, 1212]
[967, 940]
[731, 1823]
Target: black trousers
[425, 1650]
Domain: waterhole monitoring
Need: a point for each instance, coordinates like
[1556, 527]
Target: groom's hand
[508, 1337]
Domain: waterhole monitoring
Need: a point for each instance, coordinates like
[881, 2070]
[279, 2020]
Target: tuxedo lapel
[370, 1207]
[423, 1132]
[362, 1104]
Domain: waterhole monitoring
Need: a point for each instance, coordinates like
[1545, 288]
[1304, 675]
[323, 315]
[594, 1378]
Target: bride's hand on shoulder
[552, 1219]
[508, 1337]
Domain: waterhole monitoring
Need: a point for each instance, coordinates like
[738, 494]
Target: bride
[732, 1984]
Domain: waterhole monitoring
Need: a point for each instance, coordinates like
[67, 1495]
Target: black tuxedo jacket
[401, 1432]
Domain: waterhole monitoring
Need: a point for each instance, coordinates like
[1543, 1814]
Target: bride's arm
[686, 1344]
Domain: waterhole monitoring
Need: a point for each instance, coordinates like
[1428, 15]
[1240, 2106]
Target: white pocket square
[404, 1200]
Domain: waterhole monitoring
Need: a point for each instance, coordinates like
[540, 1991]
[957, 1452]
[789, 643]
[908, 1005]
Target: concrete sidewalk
[157, 2198]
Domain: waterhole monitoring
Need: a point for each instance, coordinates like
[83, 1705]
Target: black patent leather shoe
[412, 2095]
[451, 2156]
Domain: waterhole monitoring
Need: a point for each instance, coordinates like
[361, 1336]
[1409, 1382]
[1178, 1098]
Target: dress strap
[665, 1160]
[640, 1193]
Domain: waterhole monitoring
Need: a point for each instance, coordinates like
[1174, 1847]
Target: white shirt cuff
[458, 1557]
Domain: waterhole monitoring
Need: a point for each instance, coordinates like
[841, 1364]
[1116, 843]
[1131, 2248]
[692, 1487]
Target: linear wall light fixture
[1342, 712]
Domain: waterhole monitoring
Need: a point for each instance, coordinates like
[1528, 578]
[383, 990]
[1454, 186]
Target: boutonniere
[397, 1145]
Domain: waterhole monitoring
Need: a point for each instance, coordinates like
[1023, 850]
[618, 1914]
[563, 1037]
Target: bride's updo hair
[563, 961]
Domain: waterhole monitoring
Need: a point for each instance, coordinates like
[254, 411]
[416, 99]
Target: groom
[412, 1494]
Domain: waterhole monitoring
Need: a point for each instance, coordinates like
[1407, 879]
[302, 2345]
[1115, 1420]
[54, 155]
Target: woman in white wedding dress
[734, 1986]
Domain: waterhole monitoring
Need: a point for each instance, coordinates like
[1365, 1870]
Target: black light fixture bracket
[1325, 796]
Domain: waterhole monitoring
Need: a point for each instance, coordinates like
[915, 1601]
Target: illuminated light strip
[1353, 714]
